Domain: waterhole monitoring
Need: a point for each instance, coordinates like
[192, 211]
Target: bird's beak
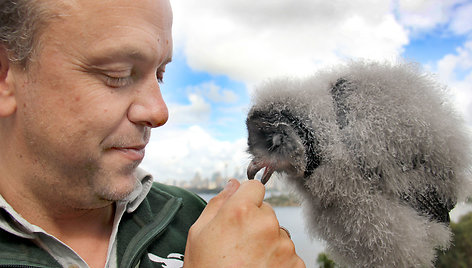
[255, 166]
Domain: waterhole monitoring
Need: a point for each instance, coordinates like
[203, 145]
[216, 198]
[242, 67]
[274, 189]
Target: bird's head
[279, 142]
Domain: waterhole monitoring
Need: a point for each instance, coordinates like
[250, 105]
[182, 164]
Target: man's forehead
[159, 9]
[136, 30]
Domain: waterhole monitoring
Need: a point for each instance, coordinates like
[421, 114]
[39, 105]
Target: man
[79, 93]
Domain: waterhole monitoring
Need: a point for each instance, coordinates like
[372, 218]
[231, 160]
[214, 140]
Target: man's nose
[148, 108]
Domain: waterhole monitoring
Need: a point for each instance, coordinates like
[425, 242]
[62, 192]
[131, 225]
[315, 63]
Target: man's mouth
[255, 166]
[134, 153]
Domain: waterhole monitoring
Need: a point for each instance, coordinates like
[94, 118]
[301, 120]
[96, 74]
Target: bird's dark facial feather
[277, 143]
[271, 137]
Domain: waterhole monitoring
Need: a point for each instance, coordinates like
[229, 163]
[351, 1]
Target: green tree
[460, 253]
[325, 262]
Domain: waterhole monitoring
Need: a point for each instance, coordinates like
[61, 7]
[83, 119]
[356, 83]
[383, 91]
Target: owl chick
[377, 154]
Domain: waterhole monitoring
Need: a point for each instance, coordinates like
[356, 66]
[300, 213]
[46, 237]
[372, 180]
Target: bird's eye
[277, 140]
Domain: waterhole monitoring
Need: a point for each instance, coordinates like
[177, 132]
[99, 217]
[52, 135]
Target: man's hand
[237, 229]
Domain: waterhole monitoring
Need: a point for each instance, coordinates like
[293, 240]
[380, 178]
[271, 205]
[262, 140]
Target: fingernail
[231, 185]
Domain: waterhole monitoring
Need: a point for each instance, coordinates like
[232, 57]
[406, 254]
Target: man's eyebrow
[129, 52]
[122, 53]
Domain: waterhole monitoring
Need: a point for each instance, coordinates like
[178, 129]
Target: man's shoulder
[160, 224]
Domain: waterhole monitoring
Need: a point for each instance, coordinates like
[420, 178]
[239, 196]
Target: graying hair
[20, 23]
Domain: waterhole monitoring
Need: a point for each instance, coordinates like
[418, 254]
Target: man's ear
[7, 92]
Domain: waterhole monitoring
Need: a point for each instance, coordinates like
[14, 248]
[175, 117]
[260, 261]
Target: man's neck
[88, 234]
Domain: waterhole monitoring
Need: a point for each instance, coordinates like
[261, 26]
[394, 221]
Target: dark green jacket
[158, 226]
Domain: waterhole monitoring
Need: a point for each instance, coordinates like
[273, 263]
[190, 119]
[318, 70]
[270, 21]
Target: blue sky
[223, 49]
[431, 47]
[226, 110]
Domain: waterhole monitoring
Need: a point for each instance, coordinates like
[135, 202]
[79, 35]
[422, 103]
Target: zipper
[150, 232]
[18, 266]
[24, 266]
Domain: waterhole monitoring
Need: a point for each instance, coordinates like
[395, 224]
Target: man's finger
[252, 191]
[216, 202]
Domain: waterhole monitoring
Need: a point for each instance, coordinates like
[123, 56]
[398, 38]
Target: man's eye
[117, 82]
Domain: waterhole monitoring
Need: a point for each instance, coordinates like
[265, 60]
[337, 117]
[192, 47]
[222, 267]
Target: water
[308, 249]
[292, 219]
[460, 210]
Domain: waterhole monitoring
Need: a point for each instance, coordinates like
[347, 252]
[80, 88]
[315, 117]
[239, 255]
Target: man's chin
[119, 188]
[115, 195]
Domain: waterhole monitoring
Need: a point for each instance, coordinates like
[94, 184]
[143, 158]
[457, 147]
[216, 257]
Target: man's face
[87, 102]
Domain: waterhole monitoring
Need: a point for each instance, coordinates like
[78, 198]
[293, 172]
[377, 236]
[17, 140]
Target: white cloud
[197, 111]
[451, 64]
[214, 92]
[425, 15]
[462, 23]
[180, 153]
[461, 86]
[252, 40]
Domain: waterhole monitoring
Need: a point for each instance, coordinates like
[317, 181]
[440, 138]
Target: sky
[224, 49]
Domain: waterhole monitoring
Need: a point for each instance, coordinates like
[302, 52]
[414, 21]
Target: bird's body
[377, 153]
